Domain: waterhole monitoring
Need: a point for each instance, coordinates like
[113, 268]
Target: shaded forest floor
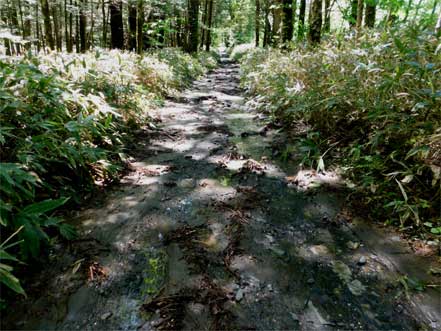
[209, 230]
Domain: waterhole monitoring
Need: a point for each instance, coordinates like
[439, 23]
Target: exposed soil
[211, 231]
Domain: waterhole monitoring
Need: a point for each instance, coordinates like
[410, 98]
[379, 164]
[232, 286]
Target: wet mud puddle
[207, 232]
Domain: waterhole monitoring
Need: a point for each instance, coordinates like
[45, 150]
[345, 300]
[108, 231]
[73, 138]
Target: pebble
[239, 295]
[310, 281]
[362, 260]
[105, 316]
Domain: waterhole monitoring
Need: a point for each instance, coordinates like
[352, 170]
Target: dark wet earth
[211, 231]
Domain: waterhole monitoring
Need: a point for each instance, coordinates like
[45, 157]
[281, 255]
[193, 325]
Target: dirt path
[206, 233]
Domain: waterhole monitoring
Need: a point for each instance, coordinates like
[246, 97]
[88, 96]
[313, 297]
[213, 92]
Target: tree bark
[288, 26]
[277, 12]
[369, 13]
[314, 34]
[116, 24]
[132, 18]
[438, 26]
[45, 10]
[360, 7]
[327, 16]
[353, 16]
[83, 22]
[257, 23]
[193, 26]
[210, 23]
[139, 27]
[302, 13]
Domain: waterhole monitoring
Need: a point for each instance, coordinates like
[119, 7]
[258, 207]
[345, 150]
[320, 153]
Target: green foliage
[6, 276]
[64, 120]
[376, 102]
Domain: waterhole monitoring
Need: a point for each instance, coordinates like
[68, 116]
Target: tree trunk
[288, 26]
[360, 7]
[37, 26]
[327, 18]
[45, 10]
[139, 26]
[55, 16]
[302, 13]
[353, 16]
[267, 32]
[193, 26]
[369, 13]
[209, 22]
[277, 20]
[204, 23]
[316, 22]
[257, 23]
[438, 26]
[132, 25]
[83, 22]
[104, 22]
[116, 24]
[77, 30]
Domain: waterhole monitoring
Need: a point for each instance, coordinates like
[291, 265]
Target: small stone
[399, 309]
[239, 295]
[105, 316]
[270, 287]
[362, 260]
[310, 281]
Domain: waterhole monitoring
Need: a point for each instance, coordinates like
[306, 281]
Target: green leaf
[44, 206]
[68, 231]
[7, 278]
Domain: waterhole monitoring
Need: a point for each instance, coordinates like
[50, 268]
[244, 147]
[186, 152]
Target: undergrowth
[371, 105]
[64, 119]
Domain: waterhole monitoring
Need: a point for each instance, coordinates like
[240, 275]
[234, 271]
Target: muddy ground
[213, 230]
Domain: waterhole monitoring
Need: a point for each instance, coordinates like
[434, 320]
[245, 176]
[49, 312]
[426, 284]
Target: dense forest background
[138, 25]
[356, 83]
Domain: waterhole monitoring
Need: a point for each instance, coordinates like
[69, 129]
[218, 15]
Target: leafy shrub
[64, 119]
[378, 101]
[237, 52]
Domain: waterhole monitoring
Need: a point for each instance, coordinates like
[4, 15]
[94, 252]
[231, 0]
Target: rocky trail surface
[210, 230]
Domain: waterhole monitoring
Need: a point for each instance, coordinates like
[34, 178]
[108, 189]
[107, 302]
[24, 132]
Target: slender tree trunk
[104, 17]
[209, 23]
[204, 23]
[83, 23]
[132, 25]
[316, 22]
[277, 12]
[257, 23]
[20, 11]
[327, 16]
[267, 31]
[353, 16]
[438, 26]
[66, 27]
[302, 13]
[91, 38]
[360, 7]
[77, 30]
[45, 10]
[55, 16]
[37, 25]
[288, 26]
[116, 24]
[139, 26]
[193, 22]
[369, 13]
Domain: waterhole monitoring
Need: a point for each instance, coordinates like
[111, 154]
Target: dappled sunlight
[308, 179]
